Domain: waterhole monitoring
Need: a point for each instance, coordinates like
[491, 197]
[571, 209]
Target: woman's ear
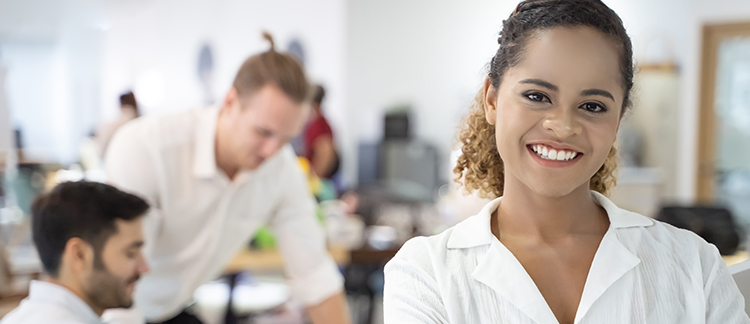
[490, 101]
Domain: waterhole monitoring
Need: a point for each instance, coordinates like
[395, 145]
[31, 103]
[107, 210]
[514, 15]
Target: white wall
[68, 61]
[50, 49]
[158, 44]
[679, 24]
[431, 55]
[701, 12]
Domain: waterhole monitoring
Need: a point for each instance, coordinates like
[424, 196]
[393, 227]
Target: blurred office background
[399, 76]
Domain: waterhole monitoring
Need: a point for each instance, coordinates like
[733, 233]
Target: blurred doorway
[724, 123]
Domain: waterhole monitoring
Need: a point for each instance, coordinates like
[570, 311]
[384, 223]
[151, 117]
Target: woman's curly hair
[479, 167]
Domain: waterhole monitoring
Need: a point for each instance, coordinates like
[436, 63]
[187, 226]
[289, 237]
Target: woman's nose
[562, 123]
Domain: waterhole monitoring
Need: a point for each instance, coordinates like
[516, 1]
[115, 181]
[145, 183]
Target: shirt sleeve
[724, 302]
[312, 274]
[411, 292]
[130, 166]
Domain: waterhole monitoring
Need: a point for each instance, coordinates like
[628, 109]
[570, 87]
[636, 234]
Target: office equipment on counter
[713, 223]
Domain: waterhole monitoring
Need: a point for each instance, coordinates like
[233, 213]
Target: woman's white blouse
[644, 271]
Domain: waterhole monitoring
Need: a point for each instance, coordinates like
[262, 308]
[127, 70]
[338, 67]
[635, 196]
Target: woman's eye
[535, 96]
[593, 107]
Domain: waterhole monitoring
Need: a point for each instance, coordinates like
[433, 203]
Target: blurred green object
[320, 215]
[264, 239]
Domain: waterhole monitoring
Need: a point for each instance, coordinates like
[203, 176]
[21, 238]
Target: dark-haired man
[89, 240]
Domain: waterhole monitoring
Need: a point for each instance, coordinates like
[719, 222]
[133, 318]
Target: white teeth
[552, 154]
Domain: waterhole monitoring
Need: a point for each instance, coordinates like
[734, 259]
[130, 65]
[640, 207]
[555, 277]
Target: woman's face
[557, 112]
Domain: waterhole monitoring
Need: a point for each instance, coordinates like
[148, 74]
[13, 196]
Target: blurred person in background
[7, 148]
[128, 111]
[551, 247]
[214, 176]
[89, 238]
[320, 148]
[7, 161]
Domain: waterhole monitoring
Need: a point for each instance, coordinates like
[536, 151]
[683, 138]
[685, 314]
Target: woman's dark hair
[87, 210]
[533, 16]
[480, 165]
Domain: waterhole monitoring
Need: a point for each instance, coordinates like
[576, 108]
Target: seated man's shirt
[49, 303]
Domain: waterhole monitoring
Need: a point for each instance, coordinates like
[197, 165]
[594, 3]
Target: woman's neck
[524, 213]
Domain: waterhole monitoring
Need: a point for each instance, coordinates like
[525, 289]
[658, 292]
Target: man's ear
[231, 99]
[78, 255]
[490, 102]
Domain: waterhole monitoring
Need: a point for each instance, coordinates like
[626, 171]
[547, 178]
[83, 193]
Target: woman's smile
[553, 157]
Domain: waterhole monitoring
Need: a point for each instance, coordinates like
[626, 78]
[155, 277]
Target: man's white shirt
[50, 303]
[199, 219]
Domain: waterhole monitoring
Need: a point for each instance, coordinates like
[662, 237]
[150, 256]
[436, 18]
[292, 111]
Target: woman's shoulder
[420, 257]
[667, 233]
[665, 241]
[642, 234]
[424, 247]
[449, 247]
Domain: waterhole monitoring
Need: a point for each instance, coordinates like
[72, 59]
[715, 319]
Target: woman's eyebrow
[540, 83]
[597, 92]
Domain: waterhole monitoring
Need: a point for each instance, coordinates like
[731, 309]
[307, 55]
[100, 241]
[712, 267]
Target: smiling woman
[551, 248]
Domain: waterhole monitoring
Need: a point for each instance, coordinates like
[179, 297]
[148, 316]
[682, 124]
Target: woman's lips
[553, 158]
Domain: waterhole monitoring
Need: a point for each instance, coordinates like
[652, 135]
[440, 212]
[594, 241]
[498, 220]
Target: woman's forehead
[573, 56]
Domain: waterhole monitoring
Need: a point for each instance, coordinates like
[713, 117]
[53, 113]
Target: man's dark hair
[128, 98]
[83, 209]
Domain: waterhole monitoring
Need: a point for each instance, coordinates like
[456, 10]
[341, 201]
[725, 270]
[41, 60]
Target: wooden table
[264, 261]
[271, 260]
[738, 257]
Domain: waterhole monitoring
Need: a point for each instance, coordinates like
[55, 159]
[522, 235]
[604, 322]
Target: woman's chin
[557, 191]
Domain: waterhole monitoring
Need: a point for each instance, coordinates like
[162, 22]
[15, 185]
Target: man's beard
[108, 290]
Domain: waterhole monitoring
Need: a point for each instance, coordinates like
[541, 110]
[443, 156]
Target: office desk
[264, 261]
[738, 257]
[271, 260]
